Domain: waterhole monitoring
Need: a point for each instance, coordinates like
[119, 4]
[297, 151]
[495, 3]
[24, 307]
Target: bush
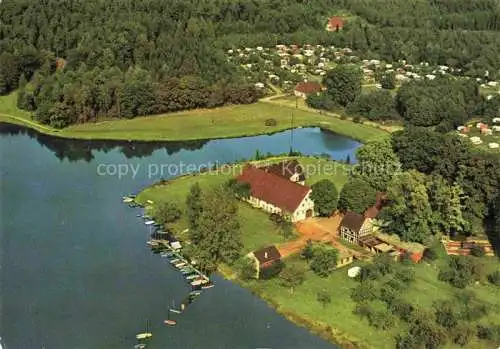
[406, 276]
[402, 309]
[246, 268]
[357, 119]
[364, 292]
[270, 122]
[430, 254]
[381, 320]
[490, 332]
[363, 310]
[494, 278]
[463, 333]
[324, 260]
[477, 251]
[272, 271]
[460, 272]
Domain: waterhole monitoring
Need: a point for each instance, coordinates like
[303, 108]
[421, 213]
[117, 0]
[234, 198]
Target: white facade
[303, 211]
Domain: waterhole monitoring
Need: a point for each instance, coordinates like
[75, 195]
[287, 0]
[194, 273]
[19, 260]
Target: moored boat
[149, 222]
[209, 285]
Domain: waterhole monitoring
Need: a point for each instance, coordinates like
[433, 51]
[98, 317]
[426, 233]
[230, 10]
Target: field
[337, 321]
[224, 122]
[339, 114]
[257, 230]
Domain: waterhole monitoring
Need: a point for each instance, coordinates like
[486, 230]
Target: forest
[77, 61]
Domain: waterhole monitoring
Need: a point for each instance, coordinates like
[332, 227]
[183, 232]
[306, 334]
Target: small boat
[196, 282]
[194, 293]
[149, 222]
[192, 276]
[140, 346]
[180, 264]
[145, 335]
[207, 286]
[138, 215]
[152, 243]
[173, 310]
[169, 321]
[175, 260]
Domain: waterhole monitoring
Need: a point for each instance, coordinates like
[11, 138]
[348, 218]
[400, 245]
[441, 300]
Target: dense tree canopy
[357, 195]
[477, 174]
[343, 83]
[377, 163]
[86, 59]
[325, 197]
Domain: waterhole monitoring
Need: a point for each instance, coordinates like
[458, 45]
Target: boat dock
[169, 248]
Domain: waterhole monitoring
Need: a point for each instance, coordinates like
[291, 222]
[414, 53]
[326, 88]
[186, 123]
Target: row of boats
[168, 247]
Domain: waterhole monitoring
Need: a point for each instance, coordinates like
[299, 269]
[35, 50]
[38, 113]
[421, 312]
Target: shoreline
[206, 124]
[322, 330]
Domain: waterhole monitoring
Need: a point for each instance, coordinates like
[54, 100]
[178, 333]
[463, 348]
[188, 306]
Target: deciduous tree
[325, 197]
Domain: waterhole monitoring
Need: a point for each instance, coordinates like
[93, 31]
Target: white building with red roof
[276, 194]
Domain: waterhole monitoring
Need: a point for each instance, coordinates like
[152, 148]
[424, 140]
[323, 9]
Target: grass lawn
[339, 114]
[230, 121]
[257, 230]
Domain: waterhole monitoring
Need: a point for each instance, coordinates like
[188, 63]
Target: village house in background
[335, 24]
[277, 194]
[264, 258]
[354, 226]
[304, 89]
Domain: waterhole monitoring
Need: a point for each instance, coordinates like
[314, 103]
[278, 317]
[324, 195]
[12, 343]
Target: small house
[486, 131]
[304, 89]
[353, 226]
[495, 120]
[344, 259]
[493, 145]
[335, 24]
[264, 258]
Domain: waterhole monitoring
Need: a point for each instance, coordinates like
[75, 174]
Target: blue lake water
[75, 269]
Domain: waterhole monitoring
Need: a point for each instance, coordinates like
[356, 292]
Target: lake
[75, 269]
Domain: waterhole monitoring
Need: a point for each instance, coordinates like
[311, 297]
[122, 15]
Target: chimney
[265, 255]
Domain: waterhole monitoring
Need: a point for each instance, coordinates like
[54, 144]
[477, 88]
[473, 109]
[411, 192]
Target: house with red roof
[277, 194]
[335, 24]
[304, 89]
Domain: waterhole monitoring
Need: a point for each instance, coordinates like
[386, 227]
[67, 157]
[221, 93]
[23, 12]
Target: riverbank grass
[337, 321]
[224, 122]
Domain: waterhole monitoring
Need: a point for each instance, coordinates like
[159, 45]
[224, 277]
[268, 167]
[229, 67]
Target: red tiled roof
[335, 22]
[267, 254]
[373, 211]
[274, 189]
[308, 87]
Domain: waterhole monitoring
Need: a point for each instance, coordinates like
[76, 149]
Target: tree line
[444, 102]
[46, 44]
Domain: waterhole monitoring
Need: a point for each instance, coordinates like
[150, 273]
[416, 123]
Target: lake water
[75, 269]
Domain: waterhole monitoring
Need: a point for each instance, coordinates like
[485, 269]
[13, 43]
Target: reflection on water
[79, 149]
